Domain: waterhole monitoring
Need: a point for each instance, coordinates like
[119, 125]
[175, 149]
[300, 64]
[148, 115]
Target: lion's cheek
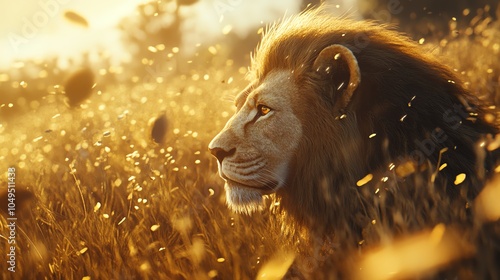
[280, 141]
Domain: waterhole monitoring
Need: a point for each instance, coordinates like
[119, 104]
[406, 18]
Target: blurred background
[43, 42]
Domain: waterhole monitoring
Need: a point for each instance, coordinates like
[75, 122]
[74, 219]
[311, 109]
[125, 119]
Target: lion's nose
[220, 153]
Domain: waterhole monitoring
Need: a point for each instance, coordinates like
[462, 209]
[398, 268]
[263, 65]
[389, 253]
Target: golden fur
[408, 112]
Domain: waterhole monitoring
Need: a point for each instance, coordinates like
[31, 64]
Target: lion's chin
[243, 199]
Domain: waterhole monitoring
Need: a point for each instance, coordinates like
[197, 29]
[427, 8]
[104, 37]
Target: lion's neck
[322, 195]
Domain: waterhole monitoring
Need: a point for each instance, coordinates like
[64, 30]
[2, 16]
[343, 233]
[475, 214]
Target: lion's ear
[339, 64]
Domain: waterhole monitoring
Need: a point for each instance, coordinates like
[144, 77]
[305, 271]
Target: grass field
[109, 203]
[112, 204]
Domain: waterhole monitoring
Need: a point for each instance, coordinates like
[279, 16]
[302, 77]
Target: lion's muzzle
[220, 153]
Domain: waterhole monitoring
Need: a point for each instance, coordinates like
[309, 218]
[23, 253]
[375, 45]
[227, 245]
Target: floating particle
[212, 50]
[197, 250]
[82, 251]
[47, 148]
[212, 273]
[365, 180]
[160, 47]
[489, 118]
[152, 49]
[460, 178]
[226, 29]
[75, 18]
[221, 260]
[437, 233]
[443, 166]
[391, 166]
[97, 206]
[155, 227]
[186, 2]
[159, 129]
[486, 204]
[277, 266]
[23, 199]
[372, 135]
[406, 169]
[145, 266]
[182, 224]
[413, 98]
[386, 261]
[79, 86]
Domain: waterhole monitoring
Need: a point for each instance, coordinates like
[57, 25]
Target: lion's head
[332, 100]
[256, 147]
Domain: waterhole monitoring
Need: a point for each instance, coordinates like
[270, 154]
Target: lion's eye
[263, 110]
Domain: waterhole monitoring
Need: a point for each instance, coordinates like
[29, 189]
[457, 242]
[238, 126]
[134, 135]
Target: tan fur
[264, 145]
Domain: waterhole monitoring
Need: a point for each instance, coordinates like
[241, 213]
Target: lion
[336, 110]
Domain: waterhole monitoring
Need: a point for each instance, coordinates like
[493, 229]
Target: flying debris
[186, 2]
[75, 18]
[23, 198]
[159, 128]
[79, 86]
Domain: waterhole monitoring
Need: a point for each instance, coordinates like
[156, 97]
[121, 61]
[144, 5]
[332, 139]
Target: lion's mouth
[269, 187]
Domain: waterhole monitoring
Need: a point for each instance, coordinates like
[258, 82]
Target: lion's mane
[408, 107]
